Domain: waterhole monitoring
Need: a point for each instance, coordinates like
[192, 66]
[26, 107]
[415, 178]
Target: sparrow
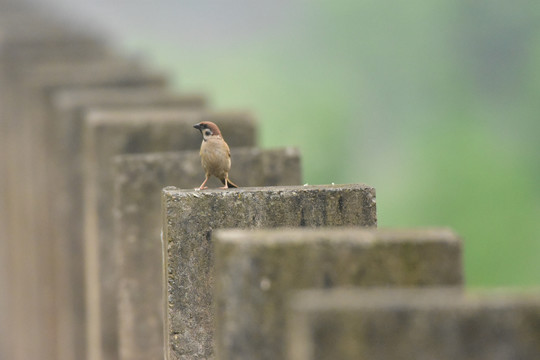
[215, 154]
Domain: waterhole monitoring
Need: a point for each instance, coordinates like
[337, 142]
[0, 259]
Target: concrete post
[28, 38]
[256, 270]
[31, 139]
[189, 217]
[114, 132]
[69, 108]
[443, 324]
[139, 180]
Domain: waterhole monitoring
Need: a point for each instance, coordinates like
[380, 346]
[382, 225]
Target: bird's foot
[201, 188]
[224, 187]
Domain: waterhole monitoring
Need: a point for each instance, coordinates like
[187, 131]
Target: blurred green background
[435, 103]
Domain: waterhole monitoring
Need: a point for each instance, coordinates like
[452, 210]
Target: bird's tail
[229, 183]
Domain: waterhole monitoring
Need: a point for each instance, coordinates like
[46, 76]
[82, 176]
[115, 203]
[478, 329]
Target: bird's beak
[197, 126]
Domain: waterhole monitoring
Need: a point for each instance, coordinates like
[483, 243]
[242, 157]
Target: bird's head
[207, 129]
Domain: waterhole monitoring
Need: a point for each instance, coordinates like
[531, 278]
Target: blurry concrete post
[107, 133]
[29, 38]
[256, 271]
[68, 108]
[190, 217]
[36, 136]
[138, 181]
[403, 324]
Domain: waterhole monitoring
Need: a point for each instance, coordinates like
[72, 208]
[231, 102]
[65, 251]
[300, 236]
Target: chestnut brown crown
[207, 125]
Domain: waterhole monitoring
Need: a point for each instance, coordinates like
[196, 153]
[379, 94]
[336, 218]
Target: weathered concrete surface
[69, 107]
[417, 324]
[112, 132]
[189, 217]
[256, 270]
[139, 180]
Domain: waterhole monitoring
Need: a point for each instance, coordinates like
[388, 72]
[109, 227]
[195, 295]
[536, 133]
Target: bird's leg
[226, 183]
[202, 187]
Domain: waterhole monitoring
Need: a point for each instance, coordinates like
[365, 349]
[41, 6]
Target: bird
[215, 155]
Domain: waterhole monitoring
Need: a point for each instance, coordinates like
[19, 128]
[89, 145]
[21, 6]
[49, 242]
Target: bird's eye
[207, 132]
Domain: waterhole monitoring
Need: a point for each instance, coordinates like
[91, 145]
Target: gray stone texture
[256, 270]
[69, 107]
[107, 133]
[420, 324]
[139, 180]
[189, 217]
